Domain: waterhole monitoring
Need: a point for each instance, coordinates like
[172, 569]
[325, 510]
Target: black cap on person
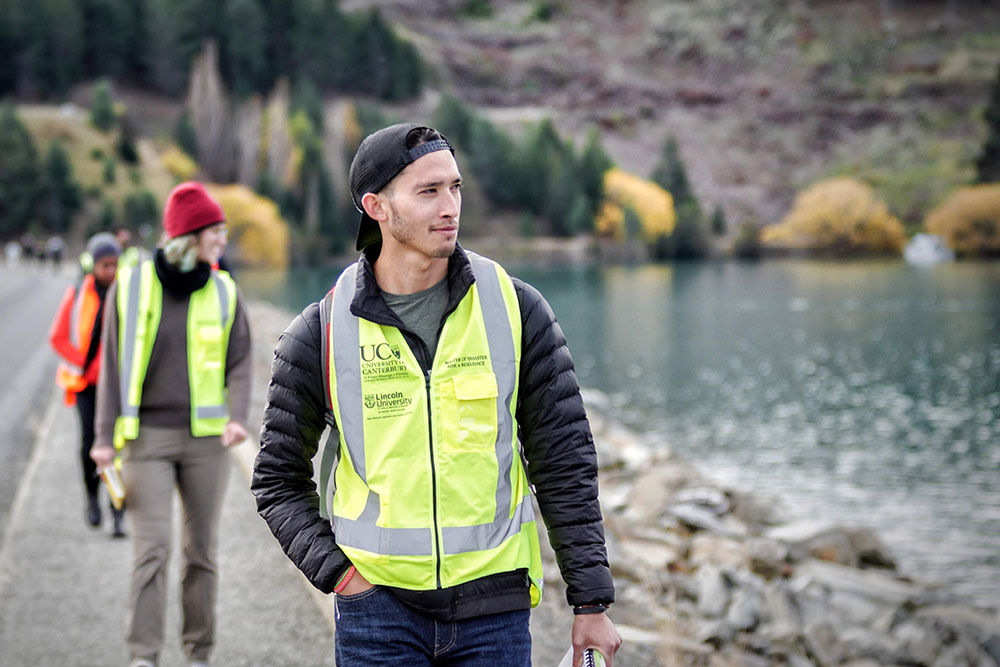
[380, 158]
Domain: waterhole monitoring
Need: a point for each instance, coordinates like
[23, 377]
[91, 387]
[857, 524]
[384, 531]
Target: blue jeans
[375, 628]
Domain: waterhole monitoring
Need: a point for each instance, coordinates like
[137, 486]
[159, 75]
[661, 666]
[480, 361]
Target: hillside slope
[763, 96]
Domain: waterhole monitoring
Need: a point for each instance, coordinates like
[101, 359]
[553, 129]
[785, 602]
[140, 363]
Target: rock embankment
[720, 578]
[708, 575]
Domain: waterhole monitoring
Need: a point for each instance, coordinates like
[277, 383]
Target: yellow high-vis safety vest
[430, 490]
[211, 310]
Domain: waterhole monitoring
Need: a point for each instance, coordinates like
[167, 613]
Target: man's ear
[374, 207]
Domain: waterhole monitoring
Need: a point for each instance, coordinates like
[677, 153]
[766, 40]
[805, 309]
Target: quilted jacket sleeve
[559, 449]
[294, 420]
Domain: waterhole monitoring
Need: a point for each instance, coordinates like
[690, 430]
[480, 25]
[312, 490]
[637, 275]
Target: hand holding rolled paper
[116, 488]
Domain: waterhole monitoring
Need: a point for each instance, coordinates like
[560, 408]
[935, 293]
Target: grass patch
[89, 149]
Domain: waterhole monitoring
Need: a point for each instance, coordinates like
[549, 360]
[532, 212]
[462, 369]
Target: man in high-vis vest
[76, 336]
[452, 401]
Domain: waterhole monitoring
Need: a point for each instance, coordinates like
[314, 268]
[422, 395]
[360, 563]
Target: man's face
[104, 270]
[423, 204]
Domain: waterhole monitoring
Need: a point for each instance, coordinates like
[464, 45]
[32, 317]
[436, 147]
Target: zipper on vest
[434, 501]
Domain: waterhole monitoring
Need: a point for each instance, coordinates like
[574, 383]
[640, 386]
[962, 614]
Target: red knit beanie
[190, 208]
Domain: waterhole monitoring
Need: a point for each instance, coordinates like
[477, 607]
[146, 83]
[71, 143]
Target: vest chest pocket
[209, 347]
[469, 413]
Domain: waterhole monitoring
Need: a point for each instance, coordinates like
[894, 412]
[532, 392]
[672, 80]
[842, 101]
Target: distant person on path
[453, 396]
[173, 395]
[76, 336]
[55, 248]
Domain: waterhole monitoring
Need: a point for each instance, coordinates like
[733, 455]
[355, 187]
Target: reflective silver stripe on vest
[211, 411]
[74, 322]
[220, 286]
[74, 327]
[363, 533]
[503, 356]
[128, 349]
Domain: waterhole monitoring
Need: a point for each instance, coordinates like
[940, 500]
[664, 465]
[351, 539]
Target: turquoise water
[864, 393]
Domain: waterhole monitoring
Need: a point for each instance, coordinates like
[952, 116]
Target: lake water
[864, 393]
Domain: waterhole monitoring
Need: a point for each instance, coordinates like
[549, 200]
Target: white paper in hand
[591, 658]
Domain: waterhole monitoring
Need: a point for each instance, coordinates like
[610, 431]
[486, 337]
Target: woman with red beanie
[173, 394]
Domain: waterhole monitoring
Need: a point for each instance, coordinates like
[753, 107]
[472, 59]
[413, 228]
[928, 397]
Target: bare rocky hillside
[763, 96]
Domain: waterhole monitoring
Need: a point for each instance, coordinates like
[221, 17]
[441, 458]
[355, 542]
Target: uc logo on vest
[382, 351]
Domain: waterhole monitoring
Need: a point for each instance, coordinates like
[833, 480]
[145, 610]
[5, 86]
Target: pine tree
[718, 223]
[493, 160]
[106, 25]
[109, 170]
[10, 44]
[163, 58]
[988, 164]
[690, 236]
[670, 173]
[594, 162]
[319, 36]
[541, 163]
[454, 119]
[244, 48]
[125, 146]
[102, 111]
[19, 174]
[61, 197]
[52, 33]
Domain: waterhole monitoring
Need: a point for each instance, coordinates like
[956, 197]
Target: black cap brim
[368, 232]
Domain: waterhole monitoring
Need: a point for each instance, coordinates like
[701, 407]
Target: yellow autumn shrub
[256, 228]
[180, 165]
[841, 215]
[652, 204]
[969, 220]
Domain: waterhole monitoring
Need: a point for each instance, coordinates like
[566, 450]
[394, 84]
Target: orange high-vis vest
[71, 336]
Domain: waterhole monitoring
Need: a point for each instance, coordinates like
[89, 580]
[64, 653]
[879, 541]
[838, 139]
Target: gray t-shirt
[421, 312]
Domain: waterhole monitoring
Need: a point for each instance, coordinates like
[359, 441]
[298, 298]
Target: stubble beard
[405, 234]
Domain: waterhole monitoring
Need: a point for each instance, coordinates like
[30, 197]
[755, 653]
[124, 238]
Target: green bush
[61, 197]
[109, 170]
[102, 110]
[747, 244]
[140, 208]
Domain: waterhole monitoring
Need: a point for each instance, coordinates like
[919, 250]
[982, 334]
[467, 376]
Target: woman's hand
[233, 434]
[103, 455]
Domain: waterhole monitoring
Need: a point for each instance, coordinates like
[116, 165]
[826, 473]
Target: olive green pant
[155, 463]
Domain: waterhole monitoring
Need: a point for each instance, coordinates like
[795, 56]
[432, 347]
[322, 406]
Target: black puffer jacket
[553, 429]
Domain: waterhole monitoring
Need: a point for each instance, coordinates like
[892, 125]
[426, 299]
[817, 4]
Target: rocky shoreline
[725, 580]
[708, 575]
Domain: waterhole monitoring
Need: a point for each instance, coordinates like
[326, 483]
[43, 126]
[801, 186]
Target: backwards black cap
[380, 158]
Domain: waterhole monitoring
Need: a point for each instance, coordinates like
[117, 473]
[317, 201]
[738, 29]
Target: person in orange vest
[76, 336]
